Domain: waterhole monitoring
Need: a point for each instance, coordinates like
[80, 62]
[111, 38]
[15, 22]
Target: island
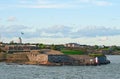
[71, 54]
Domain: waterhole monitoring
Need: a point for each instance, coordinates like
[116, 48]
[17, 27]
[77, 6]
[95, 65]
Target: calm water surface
[110, 71]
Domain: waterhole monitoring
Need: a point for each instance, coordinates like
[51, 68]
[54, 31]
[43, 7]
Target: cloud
[43, 1]
[62, 34]
[11, 18]
[56, 31]
[102, 3]
[54, 3]
[113, 40]
[12, 30]
[65, 4]
[59, 31]
[62, 31]
[42, 4]
[93, 31]
[95, 2]
[103, 38]
[45, 6]
[88, 31]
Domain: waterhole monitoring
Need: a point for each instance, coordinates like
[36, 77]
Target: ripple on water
[110, 71]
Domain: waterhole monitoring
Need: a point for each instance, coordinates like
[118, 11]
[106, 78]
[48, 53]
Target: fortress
[32, 54]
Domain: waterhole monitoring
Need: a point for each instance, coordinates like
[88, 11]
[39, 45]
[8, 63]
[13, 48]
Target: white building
[72, 45]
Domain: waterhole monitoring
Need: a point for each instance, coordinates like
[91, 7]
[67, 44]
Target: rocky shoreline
[52, 60]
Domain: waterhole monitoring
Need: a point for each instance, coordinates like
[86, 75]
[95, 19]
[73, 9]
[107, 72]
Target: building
[20, 48]
[72, 45]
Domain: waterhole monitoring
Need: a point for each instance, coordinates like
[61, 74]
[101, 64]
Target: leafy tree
[96, 46]
[114, 48]
[42, 46]
[53, 46]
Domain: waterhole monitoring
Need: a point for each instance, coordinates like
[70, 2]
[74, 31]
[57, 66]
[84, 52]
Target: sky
[90, 22]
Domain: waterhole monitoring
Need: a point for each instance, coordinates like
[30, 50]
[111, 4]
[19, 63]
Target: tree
[96, 46]
[114, 48]
[53, 46]
[42, 46]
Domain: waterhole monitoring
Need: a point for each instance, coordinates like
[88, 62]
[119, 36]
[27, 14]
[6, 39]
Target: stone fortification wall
[37, 57]
[71, 59]
[2, 56]
[82, 59]
[17, 58]
[42, 59]
[59, 59]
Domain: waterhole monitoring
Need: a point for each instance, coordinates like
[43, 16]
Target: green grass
[96, 55]
[72, 52]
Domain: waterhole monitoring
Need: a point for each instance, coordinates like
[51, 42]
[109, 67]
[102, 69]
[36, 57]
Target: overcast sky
[92, 22]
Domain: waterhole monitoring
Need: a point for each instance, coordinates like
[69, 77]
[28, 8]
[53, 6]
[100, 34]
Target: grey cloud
[102, 31]
[57, 28]
[65, 31]
[11, 18]
[60, 31]
[12, 31]
[57, 31]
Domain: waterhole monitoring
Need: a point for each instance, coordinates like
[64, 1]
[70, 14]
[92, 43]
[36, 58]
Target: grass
[72, 52]
[96, 55]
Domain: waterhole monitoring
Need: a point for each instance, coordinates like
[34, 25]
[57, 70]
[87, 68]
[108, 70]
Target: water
[110, 71]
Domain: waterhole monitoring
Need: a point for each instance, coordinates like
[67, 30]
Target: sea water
[110, 71]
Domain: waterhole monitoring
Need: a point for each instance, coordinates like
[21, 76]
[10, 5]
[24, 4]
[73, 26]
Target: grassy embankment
[72, 52]
[96, 55]
[79, 52]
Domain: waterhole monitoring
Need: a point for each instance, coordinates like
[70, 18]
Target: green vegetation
[53, 46]
[96, 55]
[114, 48]
[42, 46]
[72, 52]
[57, 47]
[96, 47]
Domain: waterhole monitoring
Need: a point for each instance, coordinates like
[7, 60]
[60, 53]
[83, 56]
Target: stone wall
[2, 56]
[37, 57]
[42, 59]
[32, 56]
[71, 59]
[17, 58]
[82, 59]
[59, 59]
